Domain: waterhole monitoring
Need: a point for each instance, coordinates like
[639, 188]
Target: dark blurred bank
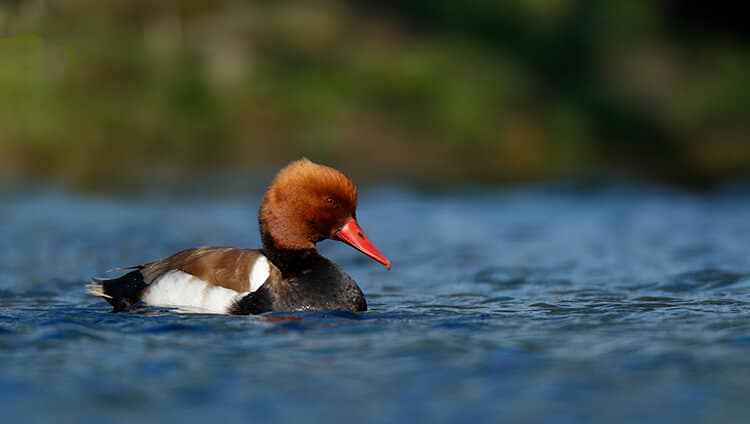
[99, 92]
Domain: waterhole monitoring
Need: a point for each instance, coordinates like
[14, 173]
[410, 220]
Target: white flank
[259, 273]
[177, 288]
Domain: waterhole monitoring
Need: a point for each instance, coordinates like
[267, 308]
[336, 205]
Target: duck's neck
[289, 257]
[293, 261]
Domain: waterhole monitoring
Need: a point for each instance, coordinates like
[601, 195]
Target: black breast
[307, 281]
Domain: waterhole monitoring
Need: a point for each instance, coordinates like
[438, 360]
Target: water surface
[534, 304]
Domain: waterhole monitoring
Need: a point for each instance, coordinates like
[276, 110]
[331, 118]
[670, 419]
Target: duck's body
[305, 204]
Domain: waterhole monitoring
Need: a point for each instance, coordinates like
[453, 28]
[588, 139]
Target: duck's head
[307, 203]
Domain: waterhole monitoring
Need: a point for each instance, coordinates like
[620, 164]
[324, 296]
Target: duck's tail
[121, 292]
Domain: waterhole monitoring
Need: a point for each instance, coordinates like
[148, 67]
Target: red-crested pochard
[306, 203]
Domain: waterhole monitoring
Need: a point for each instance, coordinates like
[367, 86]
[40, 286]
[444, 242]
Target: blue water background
[555, 304]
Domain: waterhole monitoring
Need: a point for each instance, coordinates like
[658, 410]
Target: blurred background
[96, 94]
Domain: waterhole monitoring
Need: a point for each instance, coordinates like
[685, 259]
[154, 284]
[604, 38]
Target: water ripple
[497, 303]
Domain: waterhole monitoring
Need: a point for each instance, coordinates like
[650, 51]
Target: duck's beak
[353, 235]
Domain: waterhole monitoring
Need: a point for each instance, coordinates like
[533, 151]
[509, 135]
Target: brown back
[220, 266]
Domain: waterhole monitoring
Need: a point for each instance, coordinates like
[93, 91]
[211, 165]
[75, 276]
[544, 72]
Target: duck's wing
[208, 279]
[241, 270]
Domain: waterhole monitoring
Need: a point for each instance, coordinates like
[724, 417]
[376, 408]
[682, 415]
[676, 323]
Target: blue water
[532, 304]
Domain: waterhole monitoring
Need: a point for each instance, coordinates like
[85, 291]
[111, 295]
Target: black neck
[292, 261]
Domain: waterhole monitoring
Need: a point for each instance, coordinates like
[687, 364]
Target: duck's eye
[330, 201]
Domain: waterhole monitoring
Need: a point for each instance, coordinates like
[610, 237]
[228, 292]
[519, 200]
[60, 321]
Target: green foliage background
[102, 91]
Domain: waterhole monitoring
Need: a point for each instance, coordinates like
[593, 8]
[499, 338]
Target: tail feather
[121, 292]
[96, 288]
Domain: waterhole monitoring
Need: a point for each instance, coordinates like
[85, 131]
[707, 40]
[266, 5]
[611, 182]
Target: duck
[305, 204]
